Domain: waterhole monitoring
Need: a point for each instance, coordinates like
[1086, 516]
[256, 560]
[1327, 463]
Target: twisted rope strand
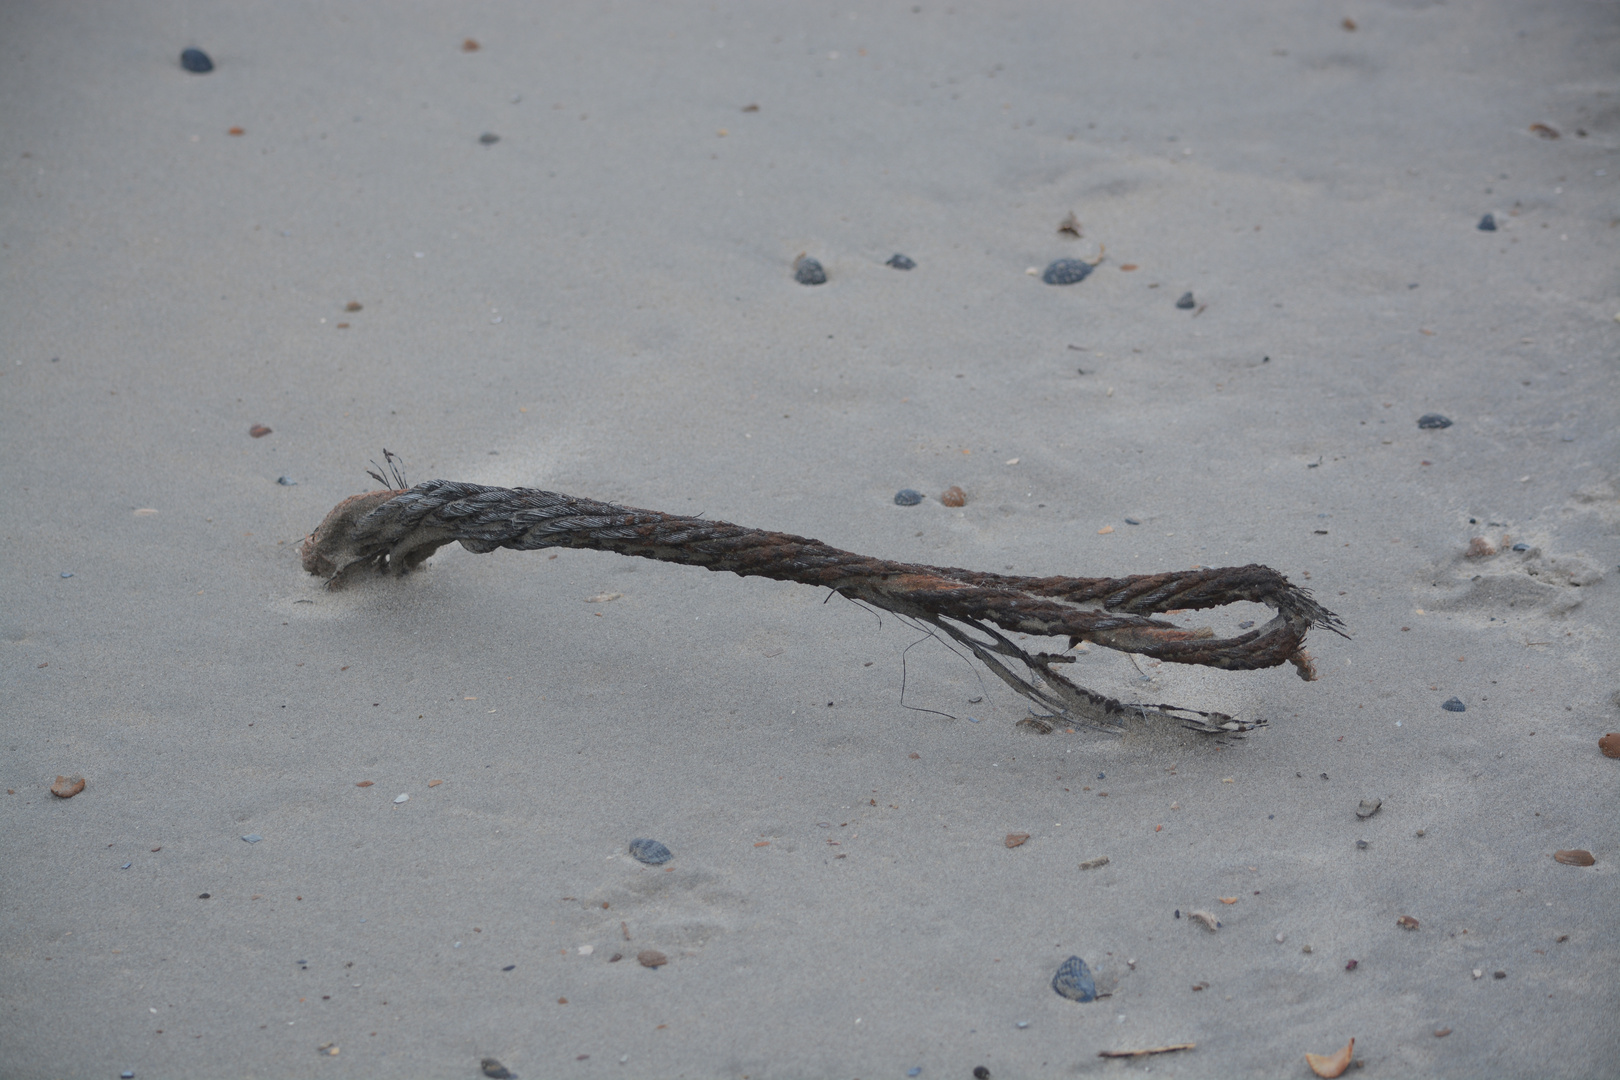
[395, 530]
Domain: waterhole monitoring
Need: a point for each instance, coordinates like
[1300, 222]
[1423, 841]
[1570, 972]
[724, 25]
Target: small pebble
[901, 262]
[495, 1070]
[1073, 981]
[286, 481]
[1498, 974]
[1102, 860]
[1478, 974]
[1361, 845]
[1441, 1033]
[126, 866]
[907, 497]
[1453, 705]
[1573, 857]
[1433, 422]
[1351, 965]
[401, 797]
[651, 958]
[258, 431]
[67, 786]
[953, 496]
[509, 967]
[353, 305]
[1406, 922]
[196, 61]
[915, 1070]
[1281, 938]
[1186, 303]
[1487, 223]
[1368, 807]
[650, 852]
[67, 573]
[252, 837]
[127, 1074]
[1133, 521]
[807, 271]
[981, 1073]
[1066, 272]
[489, 138]
[1610, 744]
[1521, 546]
[1021, 1025]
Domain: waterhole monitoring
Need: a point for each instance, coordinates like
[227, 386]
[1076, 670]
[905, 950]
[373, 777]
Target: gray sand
[603, 303]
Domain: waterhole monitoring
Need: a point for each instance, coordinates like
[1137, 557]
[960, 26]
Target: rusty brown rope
[395, 530]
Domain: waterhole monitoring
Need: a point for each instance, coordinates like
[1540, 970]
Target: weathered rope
[395, 530]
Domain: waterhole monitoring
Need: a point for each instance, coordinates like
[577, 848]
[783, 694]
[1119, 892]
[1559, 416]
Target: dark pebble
[509, 967]
[1066, 272]
[1453, 705]
[1521, 547]
[1487, 223]
[1186, 303]
[1245, 624]
[1498, 974]
[495, 1070]
[650, 852]
[204, 896]
[1361, 845]
[67, 573]
[981, 1073]
[1073, 981]
[489, 138]
[1433, 421]
[807, 271]
[901, 262]
[127, 1074]
[1351, 965]
[196, 61]
[1132, 521]
[907, 497]
[286, 481]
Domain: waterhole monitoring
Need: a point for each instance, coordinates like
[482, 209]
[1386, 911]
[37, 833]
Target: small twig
[1145, 1053]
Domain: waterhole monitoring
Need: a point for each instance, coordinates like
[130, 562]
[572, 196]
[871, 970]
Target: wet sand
[602, 301]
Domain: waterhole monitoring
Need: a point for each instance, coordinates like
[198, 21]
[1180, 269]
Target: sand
[602, 302]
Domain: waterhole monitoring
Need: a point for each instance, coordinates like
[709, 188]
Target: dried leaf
[1330, 1067]
[1016, 839]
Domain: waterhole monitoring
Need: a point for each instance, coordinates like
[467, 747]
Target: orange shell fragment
[1330, 1067]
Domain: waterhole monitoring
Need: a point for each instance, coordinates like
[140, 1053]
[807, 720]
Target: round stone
[807, 271]
[196, 61]
[901, 262]
[907, 497]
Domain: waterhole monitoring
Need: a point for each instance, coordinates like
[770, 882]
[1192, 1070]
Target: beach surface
[384, 831]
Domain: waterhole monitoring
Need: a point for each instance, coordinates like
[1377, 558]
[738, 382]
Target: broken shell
[68, 786]
[1206, 918]
[1092, 864]
[651, 958]
[1330, 1067]
[1479, 548]
[1073, 981]
[1610, 744]
[1575, 857]
[650, 852]
[953, 496]
[1368, 807]
[1406, 922]
[1016, 839]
